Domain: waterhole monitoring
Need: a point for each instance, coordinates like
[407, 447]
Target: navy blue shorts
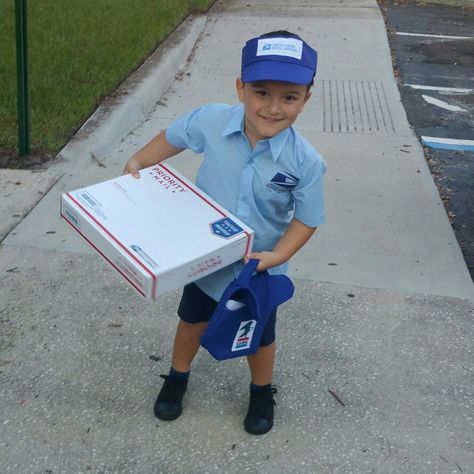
[197, 307]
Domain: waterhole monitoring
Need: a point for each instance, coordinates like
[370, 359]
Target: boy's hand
[293, 239]
[157, 150]
[133, 167]
[267, 260]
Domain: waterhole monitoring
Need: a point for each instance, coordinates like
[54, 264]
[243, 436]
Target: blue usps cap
[278, 58]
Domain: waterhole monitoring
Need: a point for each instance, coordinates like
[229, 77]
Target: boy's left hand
[296, 235]
[267, 260]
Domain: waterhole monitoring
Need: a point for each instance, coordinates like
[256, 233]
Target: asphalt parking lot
[432, 49]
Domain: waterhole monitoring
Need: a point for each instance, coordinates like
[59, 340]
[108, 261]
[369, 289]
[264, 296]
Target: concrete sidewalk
[383, 311]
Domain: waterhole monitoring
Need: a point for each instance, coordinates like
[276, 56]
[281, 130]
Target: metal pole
[22, 78]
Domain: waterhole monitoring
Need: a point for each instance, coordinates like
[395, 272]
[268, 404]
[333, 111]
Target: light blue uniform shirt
[265, 187]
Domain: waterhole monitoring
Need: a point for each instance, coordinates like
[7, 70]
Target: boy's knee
[196, 307]
[197, 327]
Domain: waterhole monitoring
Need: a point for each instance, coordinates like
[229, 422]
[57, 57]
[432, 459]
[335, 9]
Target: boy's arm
[157, 150]
[292, 240]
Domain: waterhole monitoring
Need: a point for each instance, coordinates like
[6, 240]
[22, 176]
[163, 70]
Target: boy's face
[270, 107]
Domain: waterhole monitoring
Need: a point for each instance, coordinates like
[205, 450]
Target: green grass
[78, 52]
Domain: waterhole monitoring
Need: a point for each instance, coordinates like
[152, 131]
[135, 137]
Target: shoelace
[173, 388]
[261, 403]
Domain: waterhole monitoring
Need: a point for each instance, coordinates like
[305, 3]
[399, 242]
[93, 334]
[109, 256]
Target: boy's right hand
[133, 167]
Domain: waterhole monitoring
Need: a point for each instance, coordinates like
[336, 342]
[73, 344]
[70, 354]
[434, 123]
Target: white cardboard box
[159, 232]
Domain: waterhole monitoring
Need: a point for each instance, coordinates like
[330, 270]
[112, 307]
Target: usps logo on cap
[291, 47]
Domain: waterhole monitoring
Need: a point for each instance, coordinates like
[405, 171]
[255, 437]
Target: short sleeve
[308, 195]
[186, 132]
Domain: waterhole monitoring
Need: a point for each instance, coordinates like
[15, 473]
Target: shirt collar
[278, 142]
[236, 124]
[236, 121]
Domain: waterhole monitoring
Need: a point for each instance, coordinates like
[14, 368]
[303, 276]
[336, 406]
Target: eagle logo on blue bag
[237, 325]
[243, 338]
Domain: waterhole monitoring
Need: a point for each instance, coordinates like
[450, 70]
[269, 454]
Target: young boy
[260, 169]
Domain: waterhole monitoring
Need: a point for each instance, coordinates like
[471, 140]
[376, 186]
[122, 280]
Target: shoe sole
[257, 432]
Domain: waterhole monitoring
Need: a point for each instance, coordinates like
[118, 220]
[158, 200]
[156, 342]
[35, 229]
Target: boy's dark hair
[285, 34]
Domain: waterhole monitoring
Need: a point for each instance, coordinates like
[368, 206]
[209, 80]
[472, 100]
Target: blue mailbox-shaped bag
[237, 323]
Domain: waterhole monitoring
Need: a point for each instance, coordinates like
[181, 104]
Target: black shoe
[168, 404]
[259, 419]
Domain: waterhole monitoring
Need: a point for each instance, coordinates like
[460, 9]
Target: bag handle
[247, 271]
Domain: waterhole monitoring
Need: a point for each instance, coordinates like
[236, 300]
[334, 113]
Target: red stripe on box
[111, 235]
[247, 247]
[103, 255]
[205, 200]
[150, 272]
[193, 190]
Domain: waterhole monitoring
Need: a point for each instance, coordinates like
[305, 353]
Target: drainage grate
[355, 107]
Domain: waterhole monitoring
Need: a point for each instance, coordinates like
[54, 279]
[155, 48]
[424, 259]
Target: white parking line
[448, 143]
[400, 33]
[442, 104]
[455, 90]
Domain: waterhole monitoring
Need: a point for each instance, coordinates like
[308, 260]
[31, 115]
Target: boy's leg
[259, 419]
[186, 344]
[195, 311]
[261, 364]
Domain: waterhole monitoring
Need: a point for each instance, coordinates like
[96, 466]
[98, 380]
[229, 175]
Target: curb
[22, 190]
[454, 3]
[120, 112]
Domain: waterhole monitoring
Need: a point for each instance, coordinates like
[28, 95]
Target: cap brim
[277, 71]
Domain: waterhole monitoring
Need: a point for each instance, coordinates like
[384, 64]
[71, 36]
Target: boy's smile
[270, 107]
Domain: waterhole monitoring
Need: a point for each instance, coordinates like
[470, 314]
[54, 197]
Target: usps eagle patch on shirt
[282, 182]
[291, 47]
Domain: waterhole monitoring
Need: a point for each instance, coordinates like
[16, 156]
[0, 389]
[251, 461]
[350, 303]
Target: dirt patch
[11, 160]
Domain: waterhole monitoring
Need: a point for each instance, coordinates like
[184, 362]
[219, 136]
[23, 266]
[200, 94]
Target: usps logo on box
[226, 228]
